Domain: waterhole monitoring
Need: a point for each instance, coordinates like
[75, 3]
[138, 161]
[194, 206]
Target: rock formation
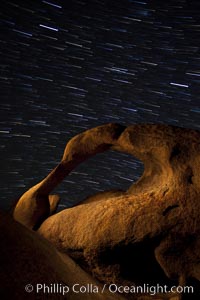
[35, 206]
[155, 222]
[27, 259]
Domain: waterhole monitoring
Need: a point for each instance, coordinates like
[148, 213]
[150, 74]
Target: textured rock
[26, 258]
[156, 222]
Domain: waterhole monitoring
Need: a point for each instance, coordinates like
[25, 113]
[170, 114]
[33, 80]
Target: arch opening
[107, 171]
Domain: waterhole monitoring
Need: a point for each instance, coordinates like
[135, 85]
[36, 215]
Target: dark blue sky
[67, 66]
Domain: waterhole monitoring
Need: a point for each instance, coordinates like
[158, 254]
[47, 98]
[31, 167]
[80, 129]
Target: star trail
[67, 66]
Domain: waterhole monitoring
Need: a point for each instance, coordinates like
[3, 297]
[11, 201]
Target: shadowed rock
[156, 222]
[26, 258]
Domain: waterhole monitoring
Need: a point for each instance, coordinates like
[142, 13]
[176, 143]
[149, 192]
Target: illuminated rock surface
[141, 235]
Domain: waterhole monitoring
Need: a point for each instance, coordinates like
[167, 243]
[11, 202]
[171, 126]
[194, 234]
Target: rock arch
[36, 204]
[162, 207]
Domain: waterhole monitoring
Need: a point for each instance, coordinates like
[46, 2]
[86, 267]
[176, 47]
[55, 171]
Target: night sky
[67, 66]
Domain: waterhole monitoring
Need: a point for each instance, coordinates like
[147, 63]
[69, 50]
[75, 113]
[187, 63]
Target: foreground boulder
[27, 260]
[150, 233]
